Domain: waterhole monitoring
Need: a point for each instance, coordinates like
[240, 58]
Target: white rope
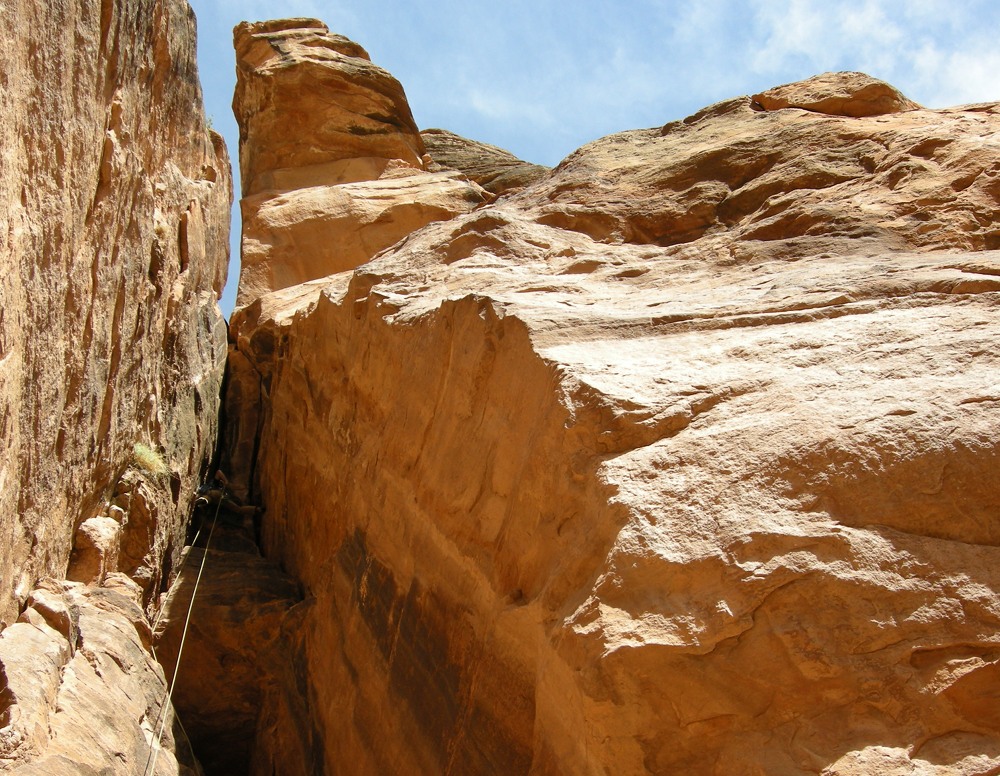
[159, 614]
[154, 751]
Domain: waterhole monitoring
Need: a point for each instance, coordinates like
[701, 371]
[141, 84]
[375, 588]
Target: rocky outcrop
[496, 170]
[349, 181]
[114, 210]
[350, 116]
[836, 94]
[681, 460]
[114, 201]
[82, 692]
[744, 183]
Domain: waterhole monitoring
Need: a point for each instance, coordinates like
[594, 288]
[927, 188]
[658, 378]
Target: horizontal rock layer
[680, 460]
[349, 181]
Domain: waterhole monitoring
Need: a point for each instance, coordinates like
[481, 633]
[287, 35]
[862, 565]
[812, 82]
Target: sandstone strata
[114, 201]
[114, 210]
[332, 162]
[496, 170]
[681, 460]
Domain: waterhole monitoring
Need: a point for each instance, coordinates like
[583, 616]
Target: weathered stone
[114, 206]
[82, 692]
[95, 550]
[143, 534]
[349, 182]
[496, 170]
[309, 233]
[782, 184]
[836, 94]
[681, 460]
[295, 73]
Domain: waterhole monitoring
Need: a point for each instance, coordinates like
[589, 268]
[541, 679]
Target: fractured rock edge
[82, 691]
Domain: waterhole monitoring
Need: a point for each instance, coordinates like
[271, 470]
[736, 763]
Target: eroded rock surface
[348, 180]
[82, 692]
[836, 94]
[114, 209]
[496, 170]
[681, 460]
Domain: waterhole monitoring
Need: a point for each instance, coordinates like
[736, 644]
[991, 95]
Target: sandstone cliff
[332, 163]
[114, 210]
[683, 459]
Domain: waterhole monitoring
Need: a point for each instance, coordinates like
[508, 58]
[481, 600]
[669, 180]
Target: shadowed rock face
[235, 667]
[680, 460]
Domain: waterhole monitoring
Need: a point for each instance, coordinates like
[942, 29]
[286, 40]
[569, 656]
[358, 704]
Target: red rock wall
[114, 211]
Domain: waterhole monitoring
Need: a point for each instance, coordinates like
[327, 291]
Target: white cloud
[960, 77]
[936, 52]
[506, 107]
[785, 32]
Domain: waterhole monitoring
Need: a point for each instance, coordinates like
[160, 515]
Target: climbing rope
[154, 751]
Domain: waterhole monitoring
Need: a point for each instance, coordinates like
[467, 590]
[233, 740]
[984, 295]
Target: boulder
[836, 94]
[95, 550]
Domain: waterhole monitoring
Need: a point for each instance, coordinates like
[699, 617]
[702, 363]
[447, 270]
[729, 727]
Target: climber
[216, 494]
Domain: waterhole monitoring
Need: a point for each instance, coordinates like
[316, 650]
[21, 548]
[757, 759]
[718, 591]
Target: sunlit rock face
[333, 166]
[83, 692]
[114, 211]
[682, 459]
[496, 170]
[114, 200]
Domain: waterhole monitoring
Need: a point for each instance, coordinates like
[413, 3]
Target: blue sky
[543, 77]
